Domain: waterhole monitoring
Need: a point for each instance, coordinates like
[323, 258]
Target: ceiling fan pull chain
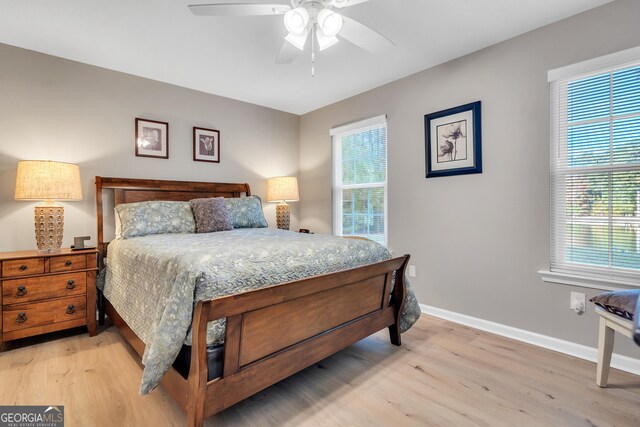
[313, 50]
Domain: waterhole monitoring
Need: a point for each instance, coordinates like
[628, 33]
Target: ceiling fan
[304, 18]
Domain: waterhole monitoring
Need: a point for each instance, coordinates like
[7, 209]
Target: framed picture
[206, 145]
[453, 141]
[152, 139]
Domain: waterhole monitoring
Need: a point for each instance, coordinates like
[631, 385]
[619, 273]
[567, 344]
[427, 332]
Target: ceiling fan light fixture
[298, 40]
[324, 41]
[296, 20]
[329, 22]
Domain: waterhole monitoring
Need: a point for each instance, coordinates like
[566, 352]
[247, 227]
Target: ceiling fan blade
[346, 3]
[288, 53]
[365, 37]
[238, 9]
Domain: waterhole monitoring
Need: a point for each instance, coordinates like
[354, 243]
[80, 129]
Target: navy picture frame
[448, 145]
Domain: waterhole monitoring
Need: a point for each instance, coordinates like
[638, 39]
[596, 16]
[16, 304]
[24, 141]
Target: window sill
[586, 281]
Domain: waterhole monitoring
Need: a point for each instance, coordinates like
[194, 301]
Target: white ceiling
[234, 56]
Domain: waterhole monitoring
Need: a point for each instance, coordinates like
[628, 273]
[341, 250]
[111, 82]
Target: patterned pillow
[246, 212]
[155, 217]
[211, 215]
[621, 303]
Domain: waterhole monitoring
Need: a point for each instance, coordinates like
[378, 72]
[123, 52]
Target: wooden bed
[254, 357]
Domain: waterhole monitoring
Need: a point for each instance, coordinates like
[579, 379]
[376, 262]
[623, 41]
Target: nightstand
[47, 292]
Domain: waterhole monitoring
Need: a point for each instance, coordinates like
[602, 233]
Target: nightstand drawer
[22, 316]
[17, 291]
[22, 267]
[67, 263]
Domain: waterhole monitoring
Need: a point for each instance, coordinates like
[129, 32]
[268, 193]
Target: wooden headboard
[129, 190]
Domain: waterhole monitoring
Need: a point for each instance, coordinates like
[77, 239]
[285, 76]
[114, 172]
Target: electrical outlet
[412, 271]
[578, 302]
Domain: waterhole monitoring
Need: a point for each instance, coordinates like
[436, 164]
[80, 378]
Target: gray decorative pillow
[246, 212]
[621, 303]
[155, 217]
[211, 215]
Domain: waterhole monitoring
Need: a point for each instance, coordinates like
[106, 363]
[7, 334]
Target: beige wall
[55, 109]
[477, 240]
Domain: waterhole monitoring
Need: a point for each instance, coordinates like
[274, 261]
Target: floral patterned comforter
[153, 281]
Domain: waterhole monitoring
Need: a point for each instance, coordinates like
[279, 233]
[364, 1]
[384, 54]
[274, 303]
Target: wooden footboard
[275, 332]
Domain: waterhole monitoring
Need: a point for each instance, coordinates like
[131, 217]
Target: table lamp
[48, 181]
[282, 189]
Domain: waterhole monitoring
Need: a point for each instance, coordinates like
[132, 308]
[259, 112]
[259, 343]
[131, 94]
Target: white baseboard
[624, 363]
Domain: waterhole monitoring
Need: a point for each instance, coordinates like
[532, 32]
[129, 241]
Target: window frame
[337, 188]
[607, 278]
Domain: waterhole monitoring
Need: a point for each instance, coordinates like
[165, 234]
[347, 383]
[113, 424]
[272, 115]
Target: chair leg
[605, 348]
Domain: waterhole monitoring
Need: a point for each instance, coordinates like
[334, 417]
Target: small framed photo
[453, 141]
[206, 145]
[152, 139]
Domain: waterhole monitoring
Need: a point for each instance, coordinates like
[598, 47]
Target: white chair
[609, 323]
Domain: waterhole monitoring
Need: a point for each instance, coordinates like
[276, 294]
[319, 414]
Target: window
[360, 179]
[595, 167]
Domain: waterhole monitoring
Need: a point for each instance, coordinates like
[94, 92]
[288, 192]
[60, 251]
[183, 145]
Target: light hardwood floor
[445, 374]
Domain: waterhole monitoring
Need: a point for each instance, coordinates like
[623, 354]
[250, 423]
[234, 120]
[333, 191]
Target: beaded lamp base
[283, 215]
[49, 223]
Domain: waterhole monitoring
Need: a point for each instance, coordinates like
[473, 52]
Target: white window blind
[595, 168]
[360, 179]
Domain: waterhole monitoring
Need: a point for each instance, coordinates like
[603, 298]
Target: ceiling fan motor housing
[317, 4]
[313, 12]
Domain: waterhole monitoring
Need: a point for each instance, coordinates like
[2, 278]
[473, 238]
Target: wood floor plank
[444, 374]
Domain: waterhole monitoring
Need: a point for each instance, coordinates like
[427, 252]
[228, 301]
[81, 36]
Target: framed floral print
[152, 139]
[206, 145]
[453, 141]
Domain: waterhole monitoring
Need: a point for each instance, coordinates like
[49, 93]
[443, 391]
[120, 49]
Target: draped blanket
[154, 281]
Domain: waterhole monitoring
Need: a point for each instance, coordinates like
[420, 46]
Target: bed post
[100, 219]
[198, 371]
[397, 301]
[100, 245]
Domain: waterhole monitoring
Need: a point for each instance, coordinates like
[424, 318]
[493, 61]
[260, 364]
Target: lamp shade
[296, 20]
[47, 180]
[329, 22]
[325, 42]
[282, 188]
[297, 40]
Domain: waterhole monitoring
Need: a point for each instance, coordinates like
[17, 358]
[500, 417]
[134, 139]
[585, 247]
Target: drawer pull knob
[23, 267]
[68, 263]
[21, 291]
[71, 309]
[22, 317]
[71, 284]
